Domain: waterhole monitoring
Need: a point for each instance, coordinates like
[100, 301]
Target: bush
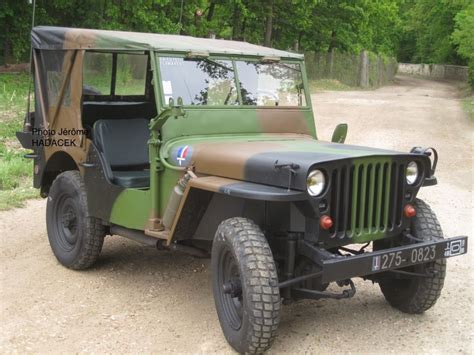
[463, 37]
[471, 74]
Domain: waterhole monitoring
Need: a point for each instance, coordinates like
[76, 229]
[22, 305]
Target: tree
[463, 37]
[426, 31]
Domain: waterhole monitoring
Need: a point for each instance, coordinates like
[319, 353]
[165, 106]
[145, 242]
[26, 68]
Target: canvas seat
[123, 144]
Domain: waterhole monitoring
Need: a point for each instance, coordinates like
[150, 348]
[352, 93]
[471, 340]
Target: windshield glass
[212, 82]
[276, 84]
[198, 82]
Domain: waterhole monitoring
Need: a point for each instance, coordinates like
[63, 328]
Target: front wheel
[245, 285]
[417, 294]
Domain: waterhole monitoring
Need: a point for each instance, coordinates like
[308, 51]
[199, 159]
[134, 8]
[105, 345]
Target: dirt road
[139, 300]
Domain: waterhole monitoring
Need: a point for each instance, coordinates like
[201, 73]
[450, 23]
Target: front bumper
[336, 267]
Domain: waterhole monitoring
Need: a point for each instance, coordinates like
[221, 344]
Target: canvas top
[54, 38]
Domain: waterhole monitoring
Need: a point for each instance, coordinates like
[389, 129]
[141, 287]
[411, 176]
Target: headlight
[315, 182]
[412, 173]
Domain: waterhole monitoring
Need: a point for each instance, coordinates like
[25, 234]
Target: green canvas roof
[45, 37]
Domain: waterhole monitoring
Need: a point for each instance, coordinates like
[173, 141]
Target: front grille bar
[366, 198]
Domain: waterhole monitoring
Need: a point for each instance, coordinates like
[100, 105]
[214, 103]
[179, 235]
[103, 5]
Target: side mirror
[340, 133]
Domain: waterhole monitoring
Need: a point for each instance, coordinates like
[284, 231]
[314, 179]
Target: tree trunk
[269, 26]
[236, 24]
[333, 43]
[7, 48]
[181, 12]
[210, 14]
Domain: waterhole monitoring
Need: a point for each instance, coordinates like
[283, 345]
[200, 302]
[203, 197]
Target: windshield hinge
[195, 55]
[270, 59]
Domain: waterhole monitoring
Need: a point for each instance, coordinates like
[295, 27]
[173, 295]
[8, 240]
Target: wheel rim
[230, 290]
[66, 223]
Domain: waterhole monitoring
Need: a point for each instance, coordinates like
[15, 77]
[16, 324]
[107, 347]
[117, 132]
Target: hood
[267, 160]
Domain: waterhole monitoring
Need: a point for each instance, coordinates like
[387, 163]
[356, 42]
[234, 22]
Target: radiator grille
[367, 198]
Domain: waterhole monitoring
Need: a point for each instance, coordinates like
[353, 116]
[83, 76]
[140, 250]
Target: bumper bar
[337, 267]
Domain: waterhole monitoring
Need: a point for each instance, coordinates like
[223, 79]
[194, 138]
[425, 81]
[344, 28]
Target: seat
[132, 178]
[123, 144]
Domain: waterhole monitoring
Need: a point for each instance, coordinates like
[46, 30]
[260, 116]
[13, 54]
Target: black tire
[418, 294]
[242, 257]
[75, 237]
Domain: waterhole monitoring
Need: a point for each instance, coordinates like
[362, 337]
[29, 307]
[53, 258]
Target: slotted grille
[367, 198]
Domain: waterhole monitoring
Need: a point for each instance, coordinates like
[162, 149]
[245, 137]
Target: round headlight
[412, 172]
[315, 182]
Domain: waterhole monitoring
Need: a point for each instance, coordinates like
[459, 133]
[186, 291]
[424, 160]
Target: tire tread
[263, 293]
[94, 232]
[427, 290]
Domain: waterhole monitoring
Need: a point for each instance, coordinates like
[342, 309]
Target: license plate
[418, 254]
[342, 268]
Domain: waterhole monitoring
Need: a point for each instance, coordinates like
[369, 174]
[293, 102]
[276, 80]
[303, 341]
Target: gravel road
[139, 300]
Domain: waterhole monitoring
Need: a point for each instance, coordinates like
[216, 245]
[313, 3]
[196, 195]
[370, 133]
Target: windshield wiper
[287, 66]
[216, 63]
[211, 61]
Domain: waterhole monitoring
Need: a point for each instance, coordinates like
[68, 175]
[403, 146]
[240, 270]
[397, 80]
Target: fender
[199, 192]
[248, 190]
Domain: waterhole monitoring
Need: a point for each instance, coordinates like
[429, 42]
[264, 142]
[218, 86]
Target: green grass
[328, 85]
[467, 99]
[468, 105]
[15, 171]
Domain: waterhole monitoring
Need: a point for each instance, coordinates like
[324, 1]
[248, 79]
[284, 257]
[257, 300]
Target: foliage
[346, 67]
[15, 171]
[426, 30]
[468, 105]
[463, 37]
[328, 85]
[317, 25]
[415, 30]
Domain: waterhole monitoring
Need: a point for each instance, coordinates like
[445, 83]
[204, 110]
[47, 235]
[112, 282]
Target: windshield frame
[160, 97]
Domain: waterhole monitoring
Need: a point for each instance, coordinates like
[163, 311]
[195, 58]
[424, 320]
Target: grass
[468, 105]
[15, 171]
[468, 101]
[328, 85]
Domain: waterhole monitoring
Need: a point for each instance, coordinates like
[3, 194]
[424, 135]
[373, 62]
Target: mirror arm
[171, 111]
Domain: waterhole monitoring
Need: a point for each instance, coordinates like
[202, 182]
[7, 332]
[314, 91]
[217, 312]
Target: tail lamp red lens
[325, 222]
[409, 211]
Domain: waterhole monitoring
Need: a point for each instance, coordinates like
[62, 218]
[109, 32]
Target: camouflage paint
[47, 37]
[230, 143]
[131, 209]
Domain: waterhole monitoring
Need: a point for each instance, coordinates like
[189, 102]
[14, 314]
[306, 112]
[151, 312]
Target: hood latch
[290, 167]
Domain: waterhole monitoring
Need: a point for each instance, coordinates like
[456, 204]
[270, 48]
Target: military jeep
[209, 147]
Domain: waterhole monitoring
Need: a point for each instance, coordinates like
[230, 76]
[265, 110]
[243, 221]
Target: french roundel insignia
[184, 153]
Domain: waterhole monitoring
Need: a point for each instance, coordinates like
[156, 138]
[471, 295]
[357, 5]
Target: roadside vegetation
[468, 105]
[15, 171]
[328, 85]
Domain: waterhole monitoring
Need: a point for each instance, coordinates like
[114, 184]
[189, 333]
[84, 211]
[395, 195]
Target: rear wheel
[418, 294]
[245, 285]
[75, 237]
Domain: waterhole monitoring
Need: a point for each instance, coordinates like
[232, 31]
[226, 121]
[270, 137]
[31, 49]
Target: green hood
[267, 159]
